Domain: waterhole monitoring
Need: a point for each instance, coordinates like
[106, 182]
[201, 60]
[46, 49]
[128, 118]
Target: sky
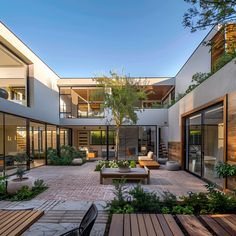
[84, 38]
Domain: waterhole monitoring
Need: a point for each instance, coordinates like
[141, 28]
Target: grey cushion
[172, 165]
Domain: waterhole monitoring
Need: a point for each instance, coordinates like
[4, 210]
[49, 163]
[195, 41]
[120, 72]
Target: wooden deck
[16, 222]
[168, 225]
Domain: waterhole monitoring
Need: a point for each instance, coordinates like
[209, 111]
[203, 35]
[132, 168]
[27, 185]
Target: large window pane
[15, 140]
[1, 145]
[37, 144]
[213, 142]
[13, 77]
[51, 136]
[194, 143]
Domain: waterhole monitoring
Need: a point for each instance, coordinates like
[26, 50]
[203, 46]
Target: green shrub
[144, 201]
[198, 201]
[2, 187]
[187, 210]
[25, 193]
[119, 204]
[168, 199]
[223, 60]
[165, 210]
[67, 154]
[225, 170]
[114, 164]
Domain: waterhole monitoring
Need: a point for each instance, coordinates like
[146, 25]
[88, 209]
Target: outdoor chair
[86, 224]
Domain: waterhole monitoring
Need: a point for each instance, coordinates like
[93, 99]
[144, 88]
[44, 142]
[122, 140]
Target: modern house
[38, 110]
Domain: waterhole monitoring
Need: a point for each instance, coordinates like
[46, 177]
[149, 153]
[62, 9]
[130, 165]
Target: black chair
[86, 224]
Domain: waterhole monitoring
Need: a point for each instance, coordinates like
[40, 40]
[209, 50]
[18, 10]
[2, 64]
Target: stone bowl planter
[14, 185]
[124, 169]
[162, 161]
[77, 161]
[172, 165]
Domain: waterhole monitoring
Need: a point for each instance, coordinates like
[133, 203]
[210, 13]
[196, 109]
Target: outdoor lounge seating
[148, 157]
[86, 224]
[140, 174]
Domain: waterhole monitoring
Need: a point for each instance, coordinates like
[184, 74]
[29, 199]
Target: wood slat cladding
[231, 122]
[223, 41]
[174, 149]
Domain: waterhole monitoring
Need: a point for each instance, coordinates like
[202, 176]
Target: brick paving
[81, 183]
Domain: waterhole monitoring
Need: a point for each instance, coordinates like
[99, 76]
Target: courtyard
[73, 188]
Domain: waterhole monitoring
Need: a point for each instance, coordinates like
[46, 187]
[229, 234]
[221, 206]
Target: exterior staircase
[163, 152]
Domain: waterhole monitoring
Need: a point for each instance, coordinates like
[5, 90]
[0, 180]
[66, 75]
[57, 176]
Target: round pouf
[77, 161]
[162, 161]
[172, 165]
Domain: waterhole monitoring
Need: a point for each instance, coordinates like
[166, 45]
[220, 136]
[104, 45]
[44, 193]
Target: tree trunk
[117, 142]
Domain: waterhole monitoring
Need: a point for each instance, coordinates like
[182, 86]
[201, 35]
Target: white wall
[44, 97]
[199, 61]
[218, 85]
[157, 117]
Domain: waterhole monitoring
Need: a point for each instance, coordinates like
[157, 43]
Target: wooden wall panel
[174, 149]
[231, 155]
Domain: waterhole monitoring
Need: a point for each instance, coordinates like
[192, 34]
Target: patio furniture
[172, 165]
[86, 224]
[140, 174]
[17, 221]
[158, 224]
[149, 157]
[149, 164]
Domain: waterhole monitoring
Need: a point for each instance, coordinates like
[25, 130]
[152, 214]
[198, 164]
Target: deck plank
[214, 225]
[164, 225]
[227, 225]
[142, 226]
[175, 229]
[149, 225]
[156, 225]
[134, 225]
[127, 228]
[193, 226]
[117, 225]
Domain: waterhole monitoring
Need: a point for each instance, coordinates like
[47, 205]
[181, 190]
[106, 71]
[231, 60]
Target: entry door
[194, 144]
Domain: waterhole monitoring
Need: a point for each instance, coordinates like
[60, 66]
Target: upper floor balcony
[85, 100]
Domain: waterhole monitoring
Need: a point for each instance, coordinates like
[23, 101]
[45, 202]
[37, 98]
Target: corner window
[13, 77]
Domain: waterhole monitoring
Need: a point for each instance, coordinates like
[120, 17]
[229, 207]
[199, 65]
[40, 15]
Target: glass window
[37, 144]
[64, 136]
[15, 141]
[13, 77]
[51, 136]
[95, 137]
[81, 102]
[213, 142]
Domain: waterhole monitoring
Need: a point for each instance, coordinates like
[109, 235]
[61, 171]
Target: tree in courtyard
[205, 13]
[122, 96]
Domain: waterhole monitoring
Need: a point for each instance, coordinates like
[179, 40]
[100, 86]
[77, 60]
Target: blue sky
[82, 38]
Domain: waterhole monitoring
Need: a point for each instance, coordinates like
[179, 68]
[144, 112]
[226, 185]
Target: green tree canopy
[122, 96]
[205, 13]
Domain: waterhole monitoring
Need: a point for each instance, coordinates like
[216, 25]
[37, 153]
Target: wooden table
[135, 174]
[16, 222]
[149, 164]
[168, 225]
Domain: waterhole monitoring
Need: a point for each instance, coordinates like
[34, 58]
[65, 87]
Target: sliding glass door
[204, 142]
[213, 142]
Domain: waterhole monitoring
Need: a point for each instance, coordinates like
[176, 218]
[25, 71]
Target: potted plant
[225, 170]
[123, 166]
[16, 183]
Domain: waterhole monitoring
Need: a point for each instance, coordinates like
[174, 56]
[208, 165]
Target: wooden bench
[149, 164]
[141, 174]
[169, 225]
[16, 222]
